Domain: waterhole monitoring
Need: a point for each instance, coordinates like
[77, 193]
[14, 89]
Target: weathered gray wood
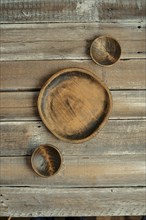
[118, 137]
[23, 105]
[63, 50]
[36, 45]
[126, 74]
[78, 171]
[72, 11]
[74, 202]
[71, 31]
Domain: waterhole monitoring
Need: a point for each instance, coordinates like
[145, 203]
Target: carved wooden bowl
[46, 160]
[105, 51]
[74, 104]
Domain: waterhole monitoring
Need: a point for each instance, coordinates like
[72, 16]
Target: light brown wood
[74, 201]
[118, 137]
[30, 75]
[74, 104]
[72, 11]
[20, 106]
[78, 171]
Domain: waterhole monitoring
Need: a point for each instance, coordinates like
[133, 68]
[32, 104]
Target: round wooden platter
[74, 104]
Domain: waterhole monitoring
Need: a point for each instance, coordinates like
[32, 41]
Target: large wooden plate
[74, 105]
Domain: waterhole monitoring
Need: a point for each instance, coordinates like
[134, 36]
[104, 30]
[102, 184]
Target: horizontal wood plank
[63, 50]
[118, 137]
[38, 42]
[29, 75]
[78, 171]
[72, 202]
[72, 11]
[70, 31]
[23, 105]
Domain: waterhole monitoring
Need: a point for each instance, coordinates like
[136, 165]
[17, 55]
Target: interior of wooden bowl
[74, 104]
[105, 50]
[46, 160]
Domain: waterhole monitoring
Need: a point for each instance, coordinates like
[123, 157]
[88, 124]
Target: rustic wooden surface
[103, 176]
[27, 42]
[72, 11]
[116, 201]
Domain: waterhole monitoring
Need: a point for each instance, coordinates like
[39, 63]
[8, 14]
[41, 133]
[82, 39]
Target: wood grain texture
[71, 31]
[46, 160]
[119, 137]
[74, 105]
[103, 176]
[22, 106]
[30, 75]
[105, 51]
[63, 50]
[72, 11]
[46, 50]
[75, 202]
[78, 171]
[36, 45]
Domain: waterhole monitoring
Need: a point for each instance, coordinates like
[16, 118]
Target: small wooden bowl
[46, 160]
[105, 51]
[74, 105]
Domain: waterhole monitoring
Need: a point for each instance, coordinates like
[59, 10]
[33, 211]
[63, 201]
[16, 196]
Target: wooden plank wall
[106, 175]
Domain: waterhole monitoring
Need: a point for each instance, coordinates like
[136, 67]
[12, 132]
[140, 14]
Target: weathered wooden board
[23, 105]
[44, 50]
[71, 31]
[30, 75]
[36, 45]
[72, 11]
[31, 53]
[118, 137]
[74, 202]
[78, 171]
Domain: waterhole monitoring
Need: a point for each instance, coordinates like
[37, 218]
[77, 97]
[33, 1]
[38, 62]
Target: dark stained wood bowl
[46, 160]
[105, 51]
[74, 104]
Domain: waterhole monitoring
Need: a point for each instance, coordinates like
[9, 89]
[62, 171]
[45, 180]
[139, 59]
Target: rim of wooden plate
[82, 70]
